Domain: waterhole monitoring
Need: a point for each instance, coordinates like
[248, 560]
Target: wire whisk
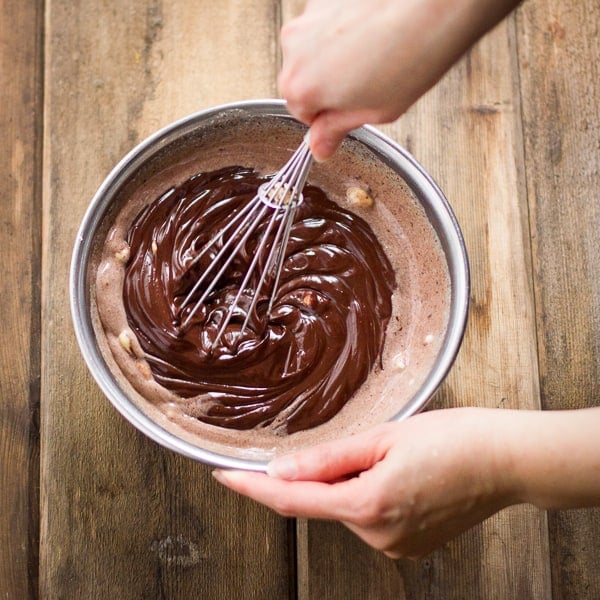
[280, 196]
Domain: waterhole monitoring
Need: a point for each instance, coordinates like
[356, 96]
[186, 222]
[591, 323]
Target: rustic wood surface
[559, 48]
[90, 508]
[20, 223]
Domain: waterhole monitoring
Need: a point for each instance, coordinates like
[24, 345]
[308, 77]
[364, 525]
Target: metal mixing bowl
[386, 150]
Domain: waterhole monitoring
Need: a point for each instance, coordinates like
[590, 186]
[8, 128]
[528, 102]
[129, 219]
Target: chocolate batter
[301, 362]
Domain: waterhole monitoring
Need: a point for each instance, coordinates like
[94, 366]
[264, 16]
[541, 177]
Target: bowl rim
[436, 205]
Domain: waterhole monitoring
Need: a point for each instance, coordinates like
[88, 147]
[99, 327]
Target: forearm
[442, 31]
[348, 62]
[553, 457]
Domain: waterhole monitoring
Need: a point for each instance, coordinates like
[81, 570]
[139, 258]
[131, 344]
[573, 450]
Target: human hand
[350, 62]
[404, 488]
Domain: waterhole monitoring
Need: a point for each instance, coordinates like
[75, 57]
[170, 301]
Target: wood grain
[559, 51]
[333, 563]
[20, 227]
[122, 517]
[512, 136]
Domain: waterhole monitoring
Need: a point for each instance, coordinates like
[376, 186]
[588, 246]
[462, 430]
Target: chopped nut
[125, 341]
[154, 247]
[310, 299]
[281, 195]
[144, 368]
[123, 254]
[359, 197]
[398, 362]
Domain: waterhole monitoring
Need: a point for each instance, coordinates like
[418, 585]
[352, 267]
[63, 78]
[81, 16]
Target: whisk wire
[283, 194]
[249, 227]
[249, 272]
[289, 180]
[281, 255]
[253, 204]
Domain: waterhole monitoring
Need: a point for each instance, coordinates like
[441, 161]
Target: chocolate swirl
[292, 369]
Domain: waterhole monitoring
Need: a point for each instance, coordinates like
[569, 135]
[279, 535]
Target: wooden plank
[334, 563]
[20, 227]
[559, 51]
[466, 132]
[122, 517]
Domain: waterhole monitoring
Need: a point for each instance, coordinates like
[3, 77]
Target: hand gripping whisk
[275, 204]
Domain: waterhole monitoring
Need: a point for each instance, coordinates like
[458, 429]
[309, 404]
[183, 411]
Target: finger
[301, 111]
[332, 461]
[302, 99]
[305, 499]
[303, 103]
[330, 127]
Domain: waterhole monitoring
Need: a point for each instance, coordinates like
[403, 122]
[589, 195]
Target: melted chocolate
[294, 368]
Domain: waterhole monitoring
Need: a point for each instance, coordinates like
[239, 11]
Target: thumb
[328, 129]
[335, 460]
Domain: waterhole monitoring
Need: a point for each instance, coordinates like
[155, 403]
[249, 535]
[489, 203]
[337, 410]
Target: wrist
[510, 454]
[502, 455]
[552, 458]
[487, 457]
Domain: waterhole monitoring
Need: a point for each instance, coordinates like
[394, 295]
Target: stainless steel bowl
[386, 150]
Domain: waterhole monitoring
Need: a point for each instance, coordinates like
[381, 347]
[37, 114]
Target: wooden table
[90, 508]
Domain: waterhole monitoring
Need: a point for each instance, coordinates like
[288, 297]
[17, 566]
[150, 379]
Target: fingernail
[322, 154]
[220, 476]
[283, 468]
